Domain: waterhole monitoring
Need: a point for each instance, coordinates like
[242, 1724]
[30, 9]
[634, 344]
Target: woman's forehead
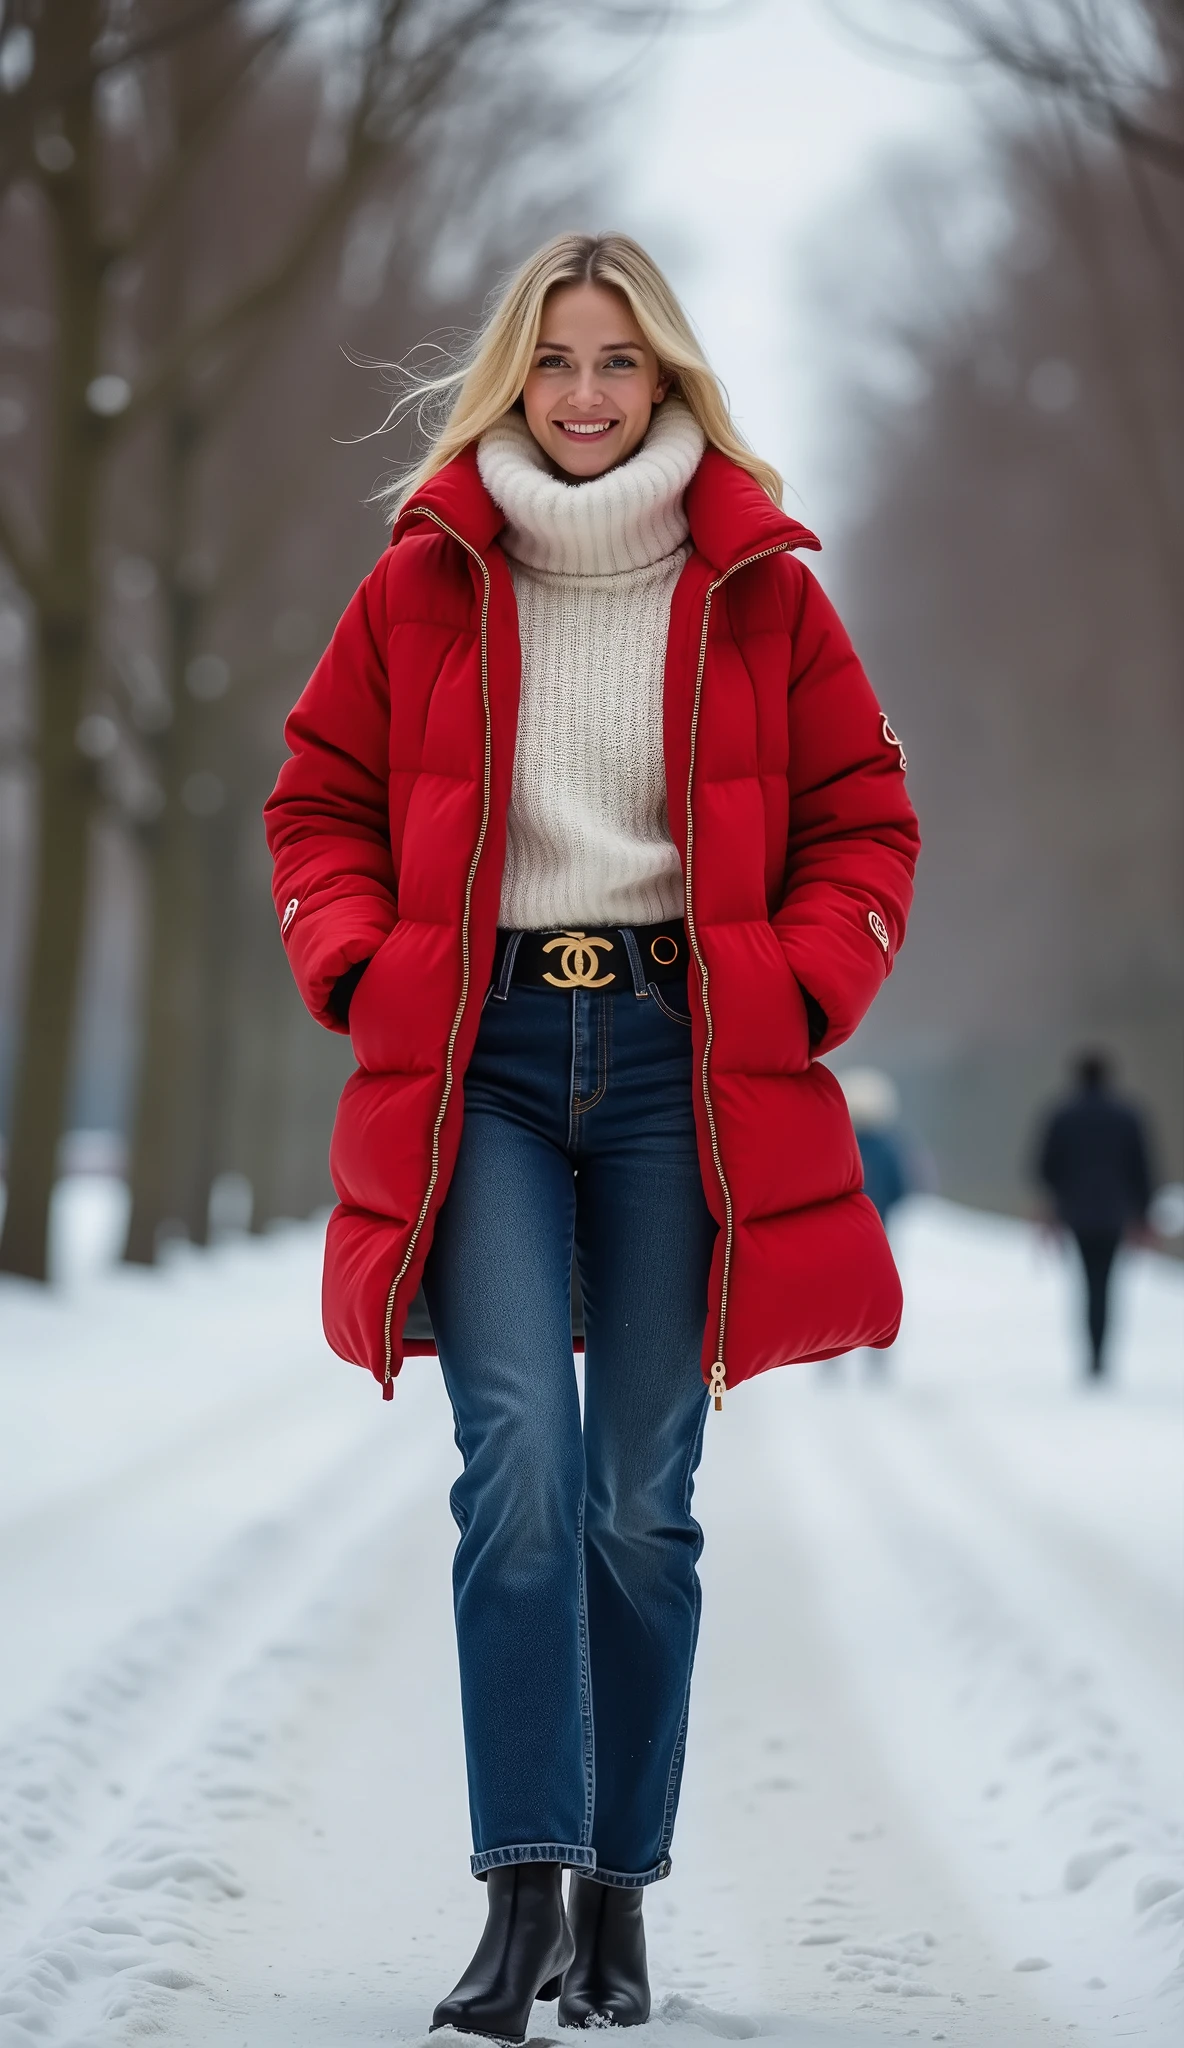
[588, 308]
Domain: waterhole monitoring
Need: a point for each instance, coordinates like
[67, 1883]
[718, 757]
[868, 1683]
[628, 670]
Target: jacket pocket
[791, 1007]
[371, 1005]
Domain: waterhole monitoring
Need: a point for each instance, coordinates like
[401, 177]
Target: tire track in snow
[1141, 1611]
[181, 1709]
[1098, 1620]
[993, 1681]
[67, 1773]
[249, 1420]
[805, 1878]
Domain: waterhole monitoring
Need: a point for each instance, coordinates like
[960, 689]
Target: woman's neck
[627, 519]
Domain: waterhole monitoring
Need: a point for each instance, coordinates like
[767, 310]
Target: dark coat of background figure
[1093, 1160]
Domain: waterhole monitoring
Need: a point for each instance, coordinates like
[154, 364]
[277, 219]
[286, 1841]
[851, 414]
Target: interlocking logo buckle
[578, 961]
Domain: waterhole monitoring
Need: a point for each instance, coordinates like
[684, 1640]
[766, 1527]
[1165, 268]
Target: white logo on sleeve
[290, 910]
[879, 928]
[890, 740]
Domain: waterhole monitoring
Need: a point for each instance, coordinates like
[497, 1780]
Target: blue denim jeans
[576, 1594]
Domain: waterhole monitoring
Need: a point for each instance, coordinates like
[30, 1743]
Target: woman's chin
[582, 464]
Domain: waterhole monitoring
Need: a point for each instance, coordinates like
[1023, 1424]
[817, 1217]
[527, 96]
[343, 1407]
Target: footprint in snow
[1154, 1891]
[1082, 1869]
[726, 2026]
[892, 1966]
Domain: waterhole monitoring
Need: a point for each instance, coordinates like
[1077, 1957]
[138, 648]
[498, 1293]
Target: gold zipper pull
[719, 1383]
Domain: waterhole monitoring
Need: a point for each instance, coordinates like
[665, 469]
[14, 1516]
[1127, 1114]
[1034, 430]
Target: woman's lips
[586, 430]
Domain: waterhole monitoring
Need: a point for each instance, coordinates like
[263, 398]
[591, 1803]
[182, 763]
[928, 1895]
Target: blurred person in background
[593, 836]
[1093, 1161]
[874, 1104]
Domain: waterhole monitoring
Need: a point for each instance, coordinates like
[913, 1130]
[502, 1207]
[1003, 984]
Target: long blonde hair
[489, 378]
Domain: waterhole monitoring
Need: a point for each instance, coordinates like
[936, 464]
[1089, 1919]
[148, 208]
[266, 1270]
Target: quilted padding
[787, 802]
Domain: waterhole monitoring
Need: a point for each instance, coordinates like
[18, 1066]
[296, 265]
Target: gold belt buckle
[578, 961]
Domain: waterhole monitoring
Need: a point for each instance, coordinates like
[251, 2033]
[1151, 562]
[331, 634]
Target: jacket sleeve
[853, 839]
[327, 819]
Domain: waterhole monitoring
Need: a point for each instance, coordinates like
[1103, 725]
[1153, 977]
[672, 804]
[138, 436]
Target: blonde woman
[593, 836]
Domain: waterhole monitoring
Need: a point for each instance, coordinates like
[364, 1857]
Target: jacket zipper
[717, 1386]
[433, 1177]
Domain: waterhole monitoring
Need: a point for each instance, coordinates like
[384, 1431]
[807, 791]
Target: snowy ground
[934, 1777]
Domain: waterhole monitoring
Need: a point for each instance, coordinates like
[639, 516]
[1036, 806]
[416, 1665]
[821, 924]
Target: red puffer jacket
[787, 803]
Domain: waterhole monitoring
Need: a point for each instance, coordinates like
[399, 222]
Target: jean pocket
[675, 1016]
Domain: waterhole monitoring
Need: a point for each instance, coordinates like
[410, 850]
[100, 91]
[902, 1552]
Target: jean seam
[586, 1710]
[577, 1043]
[680, 1742]
[459, 1515]
[581, 1106]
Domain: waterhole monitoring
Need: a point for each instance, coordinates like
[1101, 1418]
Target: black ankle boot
[522, 1955]
[607, 1984]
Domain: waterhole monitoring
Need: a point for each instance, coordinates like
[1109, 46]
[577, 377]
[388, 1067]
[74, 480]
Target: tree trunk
[164, 1126]
[51, 986]
[66, 606]
[216, 1020]
[164, 1096]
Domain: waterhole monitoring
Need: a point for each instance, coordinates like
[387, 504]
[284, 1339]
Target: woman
[594, 837]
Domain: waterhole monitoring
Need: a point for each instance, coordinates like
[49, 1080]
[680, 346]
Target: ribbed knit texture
[594, 566]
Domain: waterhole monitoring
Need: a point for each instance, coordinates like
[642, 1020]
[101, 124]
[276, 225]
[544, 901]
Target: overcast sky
[749, 139]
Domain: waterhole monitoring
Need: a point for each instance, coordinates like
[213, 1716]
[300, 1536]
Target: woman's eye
[621, 363]
[549, 363]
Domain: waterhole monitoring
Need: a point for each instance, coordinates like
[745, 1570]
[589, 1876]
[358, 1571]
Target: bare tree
[43, 64]
[212, 779]
[1011, 576]
[1117, 66]
[113, 160]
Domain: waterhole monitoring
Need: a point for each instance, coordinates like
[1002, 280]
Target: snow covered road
[935, 1782]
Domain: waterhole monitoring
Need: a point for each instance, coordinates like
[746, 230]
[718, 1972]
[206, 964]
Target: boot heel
[550, 1990]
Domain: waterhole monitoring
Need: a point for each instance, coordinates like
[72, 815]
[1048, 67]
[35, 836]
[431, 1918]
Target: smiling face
[593, 382]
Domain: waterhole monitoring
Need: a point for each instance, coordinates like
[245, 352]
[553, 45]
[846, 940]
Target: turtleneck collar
[627, 519]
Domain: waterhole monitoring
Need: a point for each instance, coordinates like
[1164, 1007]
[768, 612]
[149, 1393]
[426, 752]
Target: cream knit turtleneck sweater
[593, 566]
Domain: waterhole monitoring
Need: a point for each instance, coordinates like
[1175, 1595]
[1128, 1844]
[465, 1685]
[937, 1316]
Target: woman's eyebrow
[607, 348]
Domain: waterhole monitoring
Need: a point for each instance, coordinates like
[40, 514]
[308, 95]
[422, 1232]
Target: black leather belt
[611, 959]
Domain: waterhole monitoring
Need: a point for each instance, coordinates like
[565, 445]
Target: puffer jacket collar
[730, 516]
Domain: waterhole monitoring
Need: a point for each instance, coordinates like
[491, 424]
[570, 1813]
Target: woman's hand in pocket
[342, 992]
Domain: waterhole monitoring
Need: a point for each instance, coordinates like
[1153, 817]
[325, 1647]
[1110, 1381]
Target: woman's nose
[587, 393]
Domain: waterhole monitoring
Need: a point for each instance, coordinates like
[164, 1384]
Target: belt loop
[501, 988]
[629, 941]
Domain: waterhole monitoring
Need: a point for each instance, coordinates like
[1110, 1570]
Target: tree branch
[1091, 76]
[364, 151]
[48, 84]
[214, 119]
